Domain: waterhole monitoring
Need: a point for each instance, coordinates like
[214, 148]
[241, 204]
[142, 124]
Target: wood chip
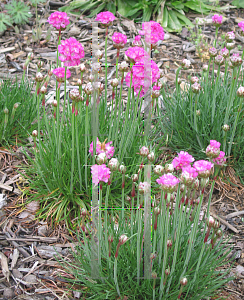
[8, 49]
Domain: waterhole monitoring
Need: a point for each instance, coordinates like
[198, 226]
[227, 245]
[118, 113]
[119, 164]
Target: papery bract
[59, 20]
[182, 160]
[100, 173]
[71, 52]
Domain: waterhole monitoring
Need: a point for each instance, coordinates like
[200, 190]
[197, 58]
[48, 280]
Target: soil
[28, 243]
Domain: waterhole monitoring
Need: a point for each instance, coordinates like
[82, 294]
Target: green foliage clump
[19, 11]
[5, 21]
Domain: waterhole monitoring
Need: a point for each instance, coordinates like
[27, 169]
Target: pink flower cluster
[60, 73]
[182, 160]
[102, 148]
[168, 182]
[203, 168]
[153, 32]
[213, 149]
[100, 173]
[119, 40]
[59, 20]
[137, 41]
[138, 76]
[71, 52]
[135, 54]
[241, 25]
[224, 52]
[217, 20]
[105, 18]
[220, 160]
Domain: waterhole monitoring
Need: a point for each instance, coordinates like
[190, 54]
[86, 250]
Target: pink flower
[102, 148]
[215, 144]
[153, 32]
[188, 175]
[135, 54]
[105, 17]
[119, 40]
[217, 20]
[71, 52]
[203, 168]
[100, 173]
[137, 41]
[220, 160]
[59, 20]
[168, 182]
[241, 25]
[60, 72]
[224, 52]
[182, 160]
[213, 150]
[138, 74]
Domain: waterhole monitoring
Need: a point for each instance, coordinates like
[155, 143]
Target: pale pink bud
[6, 111]
[88, 88]
[122, 169]
[16, 105]
[151, 156]
[198, 112]
[39, 77]
[154, 275]
[144, 187]
[123, 67]
[101, 158]
[43, 90]
[156, 210]
[196, 88]
[153, 255]
[123, 239]
[210, 222]
[183, 281]
[34, 133]
[213, 52]
[240, 92]
[144, 151]
[99, 54]
[159, 170]
[54, 103]
[194, 79]
[74, 95]
[91, 78]
[40, 64]
[134, 177]
[219, 60]
[84, 212]
[114, 82]
[229, 37]
[205, 68]
[96, 67]
[113, 164]
[110, 238]
[79, 82]
[82, 68]
[186, 64]
[230, 46]
[219, 233]
[30, 56]
[169, 168]
[169, 243]
[226, 127]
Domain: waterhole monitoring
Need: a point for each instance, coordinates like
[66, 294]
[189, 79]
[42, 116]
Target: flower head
[144, 151]
[213, 52]
[144, 187]
[106, 18]
[100, 173]
[71, 52]
[220, 160]
[229, 37]
[188, 175]
[137, 41]
[219, 60]
[59, 20]
[119, 40]
[102, 147]
[182, 160]
[60, 73]
[196, 88]
[194, 79]
[159, 170]
[240, 92]
[203, 168]
[236, 60]
[168, 182]
[241, 25]
[226, 127]
[135, 54]
[113, 164]
[217, 20]
[153, 32]
[186, 64]
[224, 52]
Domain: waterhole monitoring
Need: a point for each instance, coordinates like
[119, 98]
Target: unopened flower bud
[219, 233]
[34, 133]
[153, 255]
[114, 82]
[39, 77]
[74, 95]
[144, 187]
[210, 221]
[122, 169]
[98, 86]
[198, 112]
[30, 55]
[182, 188]
[84, 212]
[159, 170]
[169, 243]
[91, 78]
[226, 127]
[229, 37]
[16, 105]
[151, 156]
[167, 272]
[40, 64]
[179, 80]
[144, 151]
[134, 177]
[212, 52]
[101, 158]
[79, 82]
[196, 88]
[205, 68]
[123, 67]
[155, 93]
[96, 67]
[54, 103]
[240, 92]
[6, 111]
[194, 79]
[99, 54]
[219, 60]
[82, 68]
[230, 46]
[110, 238]
[225, 52]
[43, 90]
[88, 88]
[123, 239]
[236, 60]
[156, 210]
[113, 164]
[186, 64]
[216, 224]
[183, 281]
[169, 168]
[154, 275]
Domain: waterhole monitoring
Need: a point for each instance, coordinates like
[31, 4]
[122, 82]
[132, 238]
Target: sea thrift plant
[106, 18]
[183, 159]
[59, 20]
[71, 52]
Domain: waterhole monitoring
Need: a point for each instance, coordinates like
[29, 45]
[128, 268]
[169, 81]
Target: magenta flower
[168, 182]
[135, 54]
[100, 173]
[59, 20]
[188, 175]
[153, 32]
[215, 144]
[71, 52]
[213, 149]
[119, 40]
[138, 74]
[203, 168]
[137, 41]
[217, 20]
[105, 18]
[60, 73]
[220, 160]
[103, 148]
[182, 160]
[241, 25]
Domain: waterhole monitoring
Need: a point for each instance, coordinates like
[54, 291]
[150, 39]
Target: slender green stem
[86, 138]
[106, 64]
[115, 276]
[176, 80]
[216, 36]
[73, 153]
[214, 96]
[63, 113]
[78, 152]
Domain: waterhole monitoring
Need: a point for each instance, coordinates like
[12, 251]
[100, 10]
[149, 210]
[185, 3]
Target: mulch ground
[27, 243]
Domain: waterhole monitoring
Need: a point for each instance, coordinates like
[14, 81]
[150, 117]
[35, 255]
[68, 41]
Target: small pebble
[8, 293]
